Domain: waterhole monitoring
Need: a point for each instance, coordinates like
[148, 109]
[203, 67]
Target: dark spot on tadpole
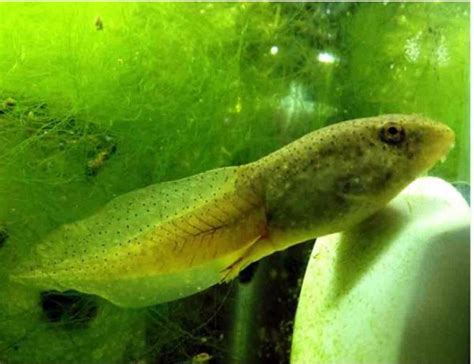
[3, 237]
[69, 310]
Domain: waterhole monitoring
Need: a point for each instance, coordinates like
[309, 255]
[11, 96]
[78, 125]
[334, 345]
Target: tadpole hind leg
[258, 250]
[233, 270]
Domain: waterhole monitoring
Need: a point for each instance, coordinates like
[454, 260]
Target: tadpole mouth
[438, 140]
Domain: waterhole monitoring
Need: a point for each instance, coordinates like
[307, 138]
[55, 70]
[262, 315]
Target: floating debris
[201, 358]
[104, 152]
[9, 103]
[99, 24]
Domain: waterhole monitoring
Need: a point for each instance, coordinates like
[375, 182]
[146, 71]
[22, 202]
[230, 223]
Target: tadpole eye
[392, 133]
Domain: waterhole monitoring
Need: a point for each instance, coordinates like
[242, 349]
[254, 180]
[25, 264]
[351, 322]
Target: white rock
[393, 290]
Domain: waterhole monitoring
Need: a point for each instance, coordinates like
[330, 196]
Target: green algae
[401, 59]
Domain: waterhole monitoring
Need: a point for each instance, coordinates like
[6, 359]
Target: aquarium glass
[100, 99]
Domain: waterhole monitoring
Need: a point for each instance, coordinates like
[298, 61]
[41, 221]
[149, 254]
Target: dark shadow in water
[272, 307]
[246, 275]
[69, 309]
[360, 248]
[464, 189]
[191, 328]
[3, 236]
[437, 323]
